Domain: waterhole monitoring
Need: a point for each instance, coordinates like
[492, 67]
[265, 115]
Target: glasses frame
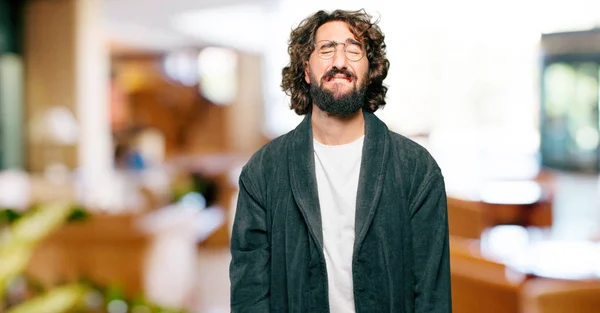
[335, 44]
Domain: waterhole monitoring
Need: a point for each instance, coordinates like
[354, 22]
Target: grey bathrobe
[400, 259]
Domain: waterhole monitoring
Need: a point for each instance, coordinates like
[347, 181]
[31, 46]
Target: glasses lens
[326, 49]
[354, 52]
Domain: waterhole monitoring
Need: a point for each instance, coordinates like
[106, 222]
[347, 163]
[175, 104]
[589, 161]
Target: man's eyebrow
[354, 41]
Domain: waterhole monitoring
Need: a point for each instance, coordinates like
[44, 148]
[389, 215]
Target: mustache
[335, 71]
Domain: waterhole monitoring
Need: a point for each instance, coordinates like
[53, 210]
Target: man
[340, 214]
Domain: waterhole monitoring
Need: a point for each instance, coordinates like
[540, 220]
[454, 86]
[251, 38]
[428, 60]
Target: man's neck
[333, 131]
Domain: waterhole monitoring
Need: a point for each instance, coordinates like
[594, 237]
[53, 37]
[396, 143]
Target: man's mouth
[339, 77]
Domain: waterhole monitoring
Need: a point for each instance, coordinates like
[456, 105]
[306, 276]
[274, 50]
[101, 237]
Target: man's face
[337, 82]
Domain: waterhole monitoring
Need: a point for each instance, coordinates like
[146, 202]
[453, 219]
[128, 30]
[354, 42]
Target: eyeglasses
[352, 50]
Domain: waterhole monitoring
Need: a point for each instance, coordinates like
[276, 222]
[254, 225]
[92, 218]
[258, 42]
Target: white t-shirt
[337, 169]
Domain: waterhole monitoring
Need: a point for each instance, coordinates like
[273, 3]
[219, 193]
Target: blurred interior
[124, 125]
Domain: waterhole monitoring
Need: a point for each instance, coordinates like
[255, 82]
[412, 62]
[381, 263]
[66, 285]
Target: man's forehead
[335, 30]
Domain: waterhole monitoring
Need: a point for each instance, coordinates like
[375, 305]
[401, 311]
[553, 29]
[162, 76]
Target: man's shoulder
[412, 156]
[409, 147]
[273, 151]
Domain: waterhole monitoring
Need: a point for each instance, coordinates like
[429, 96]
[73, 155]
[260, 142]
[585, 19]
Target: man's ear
[306, 73]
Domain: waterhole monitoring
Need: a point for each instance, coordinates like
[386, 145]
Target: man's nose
[339, 58]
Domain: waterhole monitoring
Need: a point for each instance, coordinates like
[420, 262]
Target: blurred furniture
[576, 260]
[187, 120]
[562, 275]
[107, 249]
[524, 203]
[479, 284]
[561, 296]
[466, 218]
[152, 255]
[522, 271]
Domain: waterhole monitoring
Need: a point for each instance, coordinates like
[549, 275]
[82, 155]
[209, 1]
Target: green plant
[17, 242]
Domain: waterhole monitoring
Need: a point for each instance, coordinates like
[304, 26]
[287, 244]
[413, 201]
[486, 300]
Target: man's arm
[249, 271]
[431, 249]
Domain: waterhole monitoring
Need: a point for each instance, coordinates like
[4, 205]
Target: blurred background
[124, 125]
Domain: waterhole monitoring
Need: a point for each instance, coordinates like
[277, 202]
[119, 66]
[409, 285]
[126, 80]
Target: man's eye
[354, 49]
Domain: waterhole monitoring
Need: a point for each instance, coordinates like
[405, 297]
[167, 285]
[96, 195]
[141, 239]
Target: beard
[334, 103]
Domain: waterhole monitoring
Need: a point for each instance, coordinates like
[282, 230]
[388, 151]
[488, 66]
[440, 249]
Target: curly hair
[302, 43]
